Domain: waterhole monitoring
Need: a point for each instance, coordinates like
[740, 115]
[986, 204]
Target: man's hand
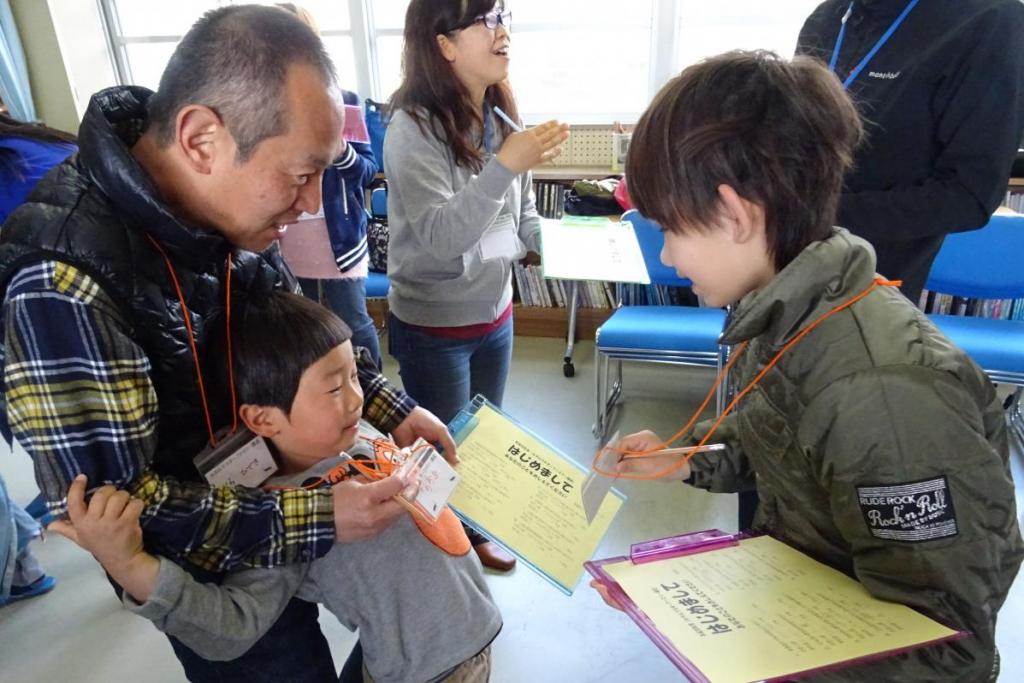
[108, 527]
[362, 511]
[422, 423]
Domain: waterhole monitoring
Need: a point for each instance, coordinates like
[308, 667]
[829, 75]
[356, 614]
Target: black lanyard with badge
[874, 50]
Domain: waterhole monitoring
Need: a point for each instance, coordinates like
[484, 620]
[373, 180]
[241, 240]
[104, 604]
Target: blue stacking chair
[377, 284]
[679, 335]
[986, 264]
[379, 202]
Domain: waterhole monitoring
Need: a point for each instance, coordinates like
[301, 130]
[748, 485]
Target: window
[710, 28]
[388, 18]
[144, 34]
[583, 61]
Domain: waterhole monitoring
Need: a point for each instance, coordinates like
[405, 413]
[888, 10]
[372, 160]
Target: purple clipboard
[700, 542]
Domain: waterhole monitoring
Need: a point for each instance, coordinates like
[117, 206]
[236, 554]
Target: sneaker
[43, 584]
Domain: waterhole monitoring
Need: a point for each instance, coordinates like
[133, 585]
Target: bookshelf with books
[994, 309]
[1015, 195]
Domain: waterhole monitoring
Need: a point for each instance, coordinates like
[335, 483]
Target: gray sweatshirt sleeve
[447, 223]
[219, 623]
[529, 219]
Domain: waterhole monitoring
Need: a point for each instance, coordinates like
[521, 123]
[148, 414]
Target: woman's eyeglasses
[489, 20]
[492, 19]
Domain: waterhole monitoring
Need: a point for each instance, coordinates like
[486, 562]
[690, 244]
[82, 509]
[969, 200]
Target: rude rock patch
[912, 512]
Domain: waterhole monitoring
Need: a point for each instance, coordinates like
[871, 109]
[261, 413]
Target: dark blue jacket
[22, 163]
[344, 197]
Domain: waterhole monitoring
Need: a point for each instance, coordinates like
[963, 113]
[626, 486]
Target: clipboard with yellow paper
[728, 608]
[521, 493]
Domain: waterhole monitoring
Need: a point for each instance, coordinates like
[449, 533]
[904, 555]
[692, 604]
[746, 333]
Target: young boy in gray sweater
[422, 607]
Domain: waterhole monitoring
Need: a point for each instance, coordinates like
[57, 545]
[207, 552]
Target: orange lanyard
[379, 467]
[195, 351]
[627, 454]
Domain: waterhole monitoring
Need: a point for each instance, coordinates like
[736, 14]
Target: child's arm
[726, 471]
[218, 622]
[719, 471]
[920, 490]
[108, 527]
[356, 164]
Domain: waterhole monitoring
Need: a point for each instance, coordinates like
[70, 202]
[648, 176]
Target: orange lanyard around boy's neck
[192, 343]
[627, 454]
[379, 467]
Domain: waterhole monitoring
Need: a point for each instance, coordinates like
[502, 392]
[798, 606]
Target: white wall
[67, 56]
[83, 44]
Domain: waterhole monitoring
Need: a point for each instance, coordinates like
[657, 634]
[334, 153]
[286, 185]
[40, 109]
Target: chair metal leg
[600, 361]
[722, 383]
[607, 394]
[568, 369]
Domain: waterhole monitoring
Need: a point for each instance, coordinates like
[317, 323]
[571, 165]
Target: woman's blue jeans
[442, 375]
[347, 298]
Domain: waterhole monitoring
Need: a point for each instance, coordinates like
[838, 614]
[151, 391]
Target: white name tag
[437, 478]
[239, 459]
[500, 241]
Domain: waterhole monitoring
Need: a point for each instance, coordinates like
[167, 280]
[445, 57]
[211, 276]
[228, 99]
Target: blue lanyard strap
[878, 46]
[488, 130]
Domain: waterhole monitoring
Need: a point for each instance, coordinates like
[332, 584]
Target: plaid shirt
[79, 398]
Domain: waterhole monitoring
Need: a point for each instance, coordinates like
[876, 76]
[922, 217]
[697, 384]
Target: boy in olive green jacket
[876, 445]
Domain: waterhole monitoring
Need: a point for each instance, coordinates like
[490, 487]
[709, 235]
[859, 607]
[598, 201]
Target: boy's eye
[302, 179]
[335, 390]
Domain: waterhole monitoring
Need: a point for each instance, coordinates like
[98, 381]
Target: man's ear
[200, 135]
[743, 217]
[446, 46]
[262, 420]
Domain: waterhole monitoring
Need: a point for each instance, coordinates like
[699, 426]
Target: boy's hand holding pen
[642, 456]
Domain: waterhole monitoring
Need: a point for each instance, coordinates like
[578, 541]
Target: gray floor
[77, 632]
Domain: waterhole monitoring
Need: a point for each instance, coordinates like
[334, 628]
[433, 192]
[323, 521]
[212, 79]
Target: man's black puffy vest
[94, 212]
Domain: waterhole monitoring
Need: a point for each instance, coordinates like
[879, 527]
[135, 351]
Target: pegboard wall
[587, 146]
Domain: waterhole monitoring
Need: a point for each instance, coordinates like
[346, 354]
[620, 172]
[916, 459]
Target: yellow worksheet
[761, 609]
[526, 495]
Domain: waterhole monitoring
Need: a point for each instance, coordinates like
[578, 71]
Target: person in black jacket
[944, 101]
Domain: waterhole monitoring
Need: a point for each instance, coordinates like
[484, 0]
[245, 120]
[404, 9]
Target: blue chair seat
[993, 344]
[662, 328]
[377, 285]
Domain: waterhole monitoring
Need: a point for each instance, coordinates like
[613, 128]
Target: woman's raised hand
[523, 151]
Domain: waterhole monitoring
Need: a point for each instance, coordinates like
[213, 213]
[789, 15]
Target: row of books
[994, 309]
[1015, 200]
[656, 295]
[532, 289]
[550, 198]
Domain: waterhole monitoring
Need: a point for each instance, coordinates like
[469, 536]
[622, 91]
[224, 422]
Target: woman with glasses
[460, 208]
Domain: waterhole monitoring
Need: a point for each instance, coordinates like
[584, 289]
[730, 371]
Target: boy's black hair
[781, 133]
[275, 337]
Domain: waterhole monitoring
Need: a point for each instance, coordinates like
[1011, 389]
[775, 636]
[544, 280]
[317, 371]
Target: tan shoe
[494, 556]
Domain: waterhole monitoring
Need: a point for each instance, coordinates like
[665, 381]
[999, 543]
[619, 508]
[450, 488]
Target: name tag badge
[501, 241]
[239, 459]
[437, 478]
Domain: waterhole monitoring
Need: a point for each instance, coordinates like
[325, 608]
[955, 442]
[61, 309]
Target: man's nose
[308, 199]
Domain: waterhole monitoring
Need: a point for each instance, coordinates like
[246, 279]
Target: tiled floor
[79, 633]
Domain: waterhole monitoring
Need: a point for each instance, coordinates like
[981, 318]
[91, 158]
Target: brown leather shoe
[494, 556]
